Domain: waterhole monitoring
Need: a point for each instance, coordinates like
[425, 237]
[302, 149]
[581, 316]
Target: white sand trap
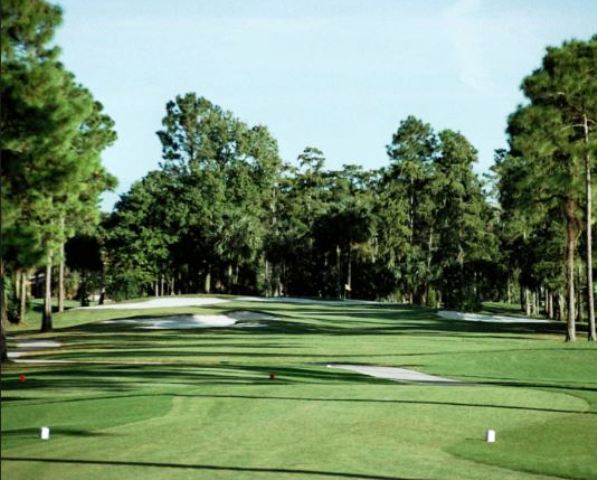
[172, 302]
[39, 360]
[162, 302]
[306, 301]
[28, 346]
[38, 344]
[393, 373]
[478, 317]
[241, 319]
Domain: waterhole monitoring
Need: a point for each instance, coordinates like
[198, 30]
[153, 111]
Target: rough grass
[179, 404]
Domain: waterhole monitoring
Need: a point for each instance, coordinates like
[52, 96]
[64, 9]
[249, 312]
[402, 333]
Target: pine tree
[406, 182]
[555, 137]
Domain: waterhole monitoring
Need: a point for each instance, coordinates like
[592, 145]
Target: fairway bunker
[240, 319]
[479, 317]
[394, 373]
[306, 301]
[173, 302]
[163, 302]
[27, 346]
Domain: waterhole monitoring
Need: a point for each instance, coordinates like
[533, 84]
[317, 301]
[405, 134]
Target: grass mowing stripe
[226, 412]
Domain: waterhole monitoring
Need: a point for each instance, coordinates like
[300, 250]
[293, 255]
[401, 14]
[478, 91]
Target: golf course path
[393, 373]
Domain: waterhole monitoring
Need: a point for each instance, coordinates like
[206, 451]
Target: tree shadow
[116, 463]
[22, 433]
[322, 400]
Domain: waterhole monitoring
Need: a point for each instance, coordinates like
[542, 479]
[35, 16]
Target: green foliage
[124, 284]
[436, 222]
[224, 213]
[52, 134]
[205, 213]
[541, 178]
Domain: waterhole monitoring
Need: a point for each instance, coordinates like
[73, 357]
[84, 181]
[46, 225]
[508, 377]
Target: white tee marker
[490, 436]
[44, 433]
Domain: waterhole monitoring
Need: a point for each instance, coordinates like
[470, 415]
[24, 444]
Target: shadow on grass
[398, 402]
[324, 319]
[116, 463]
[317, 400]
[56, 432]
[125, 378]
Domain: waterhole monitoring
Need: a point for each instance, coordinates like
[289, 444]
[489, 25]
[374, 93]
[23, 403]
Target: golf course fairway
[261, 403]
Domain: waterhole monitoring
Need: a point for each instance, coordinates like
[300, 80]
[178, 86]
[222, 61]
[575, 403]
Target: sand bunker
[173, 302]
[28, 346]
[305, 301]
[163, 302]
[241, 319]
[478, 317]
[393, 373]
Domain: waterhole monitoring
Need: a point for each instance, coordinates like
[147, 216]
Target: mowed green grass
[178, 404]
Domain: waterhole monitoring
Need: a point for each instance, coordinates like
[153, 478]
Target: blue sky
[335, 74]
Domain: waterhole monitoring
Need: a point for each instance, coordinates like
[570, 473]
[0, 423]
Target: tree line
[225, 213]
[544, 182]
[52, 134]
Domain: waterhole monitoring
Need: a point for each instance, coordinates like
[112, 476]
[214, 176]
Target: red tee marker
[272, 376]
[22, 378]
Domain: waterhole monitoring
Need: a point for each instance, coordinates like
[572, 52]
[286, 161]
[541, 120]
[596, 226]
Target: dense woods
[224, 213]
[52, 134]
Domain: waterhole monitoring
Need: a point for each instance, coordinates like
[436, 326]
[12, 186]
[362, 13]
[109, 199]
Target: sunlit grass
[200, 403]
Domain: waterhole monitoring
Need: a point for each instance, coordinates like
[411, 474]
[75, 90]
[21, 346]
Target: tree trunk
[23, 296]
[527, 302]
[3, 314]
[549, 301]
[61, 280]
[579, 305]
[162, 284]
[282, 283]
[229, 277]
[207, 283]
[46, 319]
[83, 297]
[338, 273]
[571, 236]
[275, 279]
[592, 336]
[349, 272]
[3, 349]
[267, 279]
